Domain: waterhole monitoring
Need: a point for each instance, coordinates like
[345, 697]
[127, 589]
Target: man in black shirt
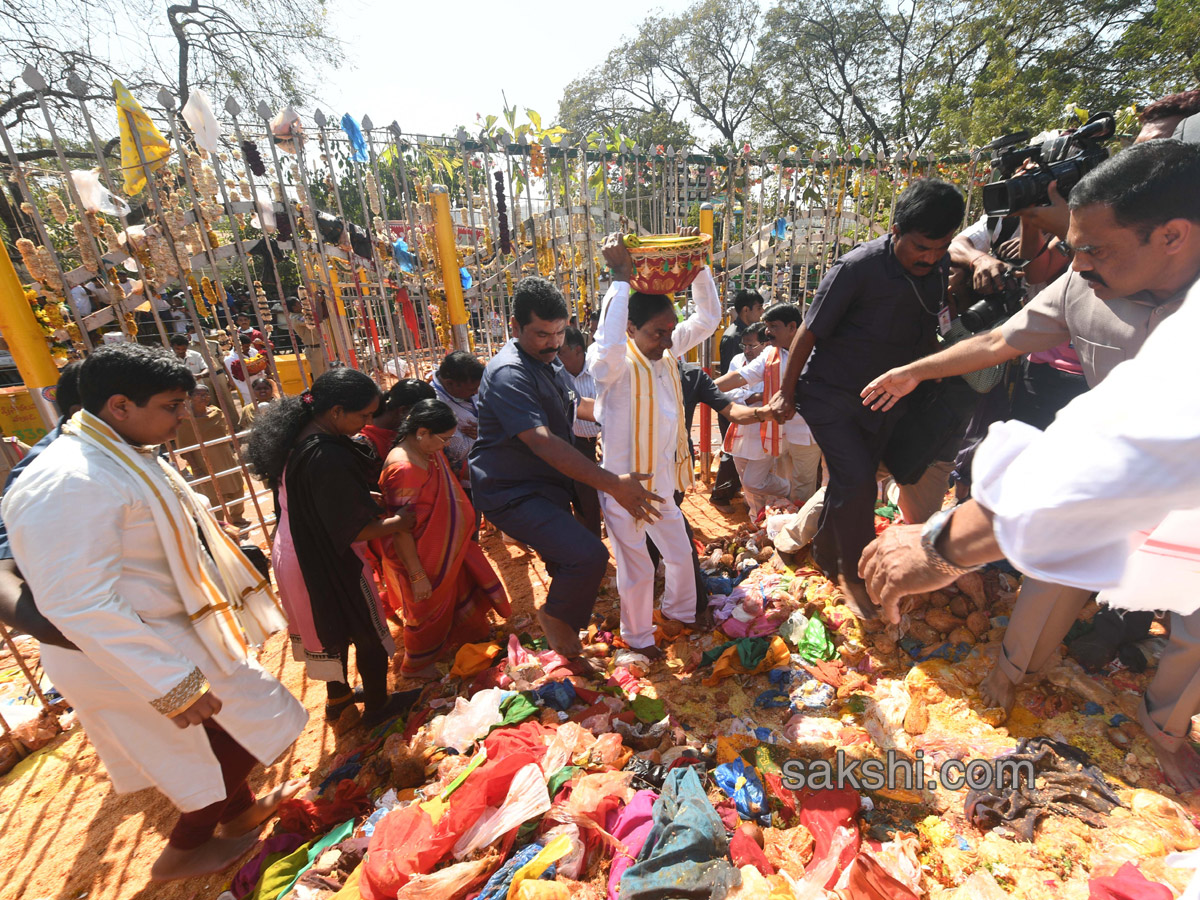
[747, 309]
[880, 303]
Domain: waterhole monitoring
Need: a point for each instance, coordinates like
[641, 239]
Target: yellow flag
[155, 148]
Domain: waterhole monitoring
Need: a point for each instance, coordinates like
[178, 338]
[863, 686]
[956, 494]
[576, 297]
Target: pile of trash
[704, 775]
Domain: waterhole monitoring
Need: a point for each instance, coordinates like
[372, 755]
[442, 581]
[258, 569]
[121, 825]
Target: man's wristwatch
[930, 534]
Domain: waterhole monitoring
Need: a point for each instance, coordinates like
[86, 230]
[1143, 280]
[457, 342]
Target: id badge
[944, 320]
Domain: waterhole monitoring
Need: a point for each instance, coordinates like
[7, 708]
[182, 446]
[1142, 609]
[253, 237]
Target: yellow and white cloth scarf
[644, 414]
[769, 430]
[230, 614]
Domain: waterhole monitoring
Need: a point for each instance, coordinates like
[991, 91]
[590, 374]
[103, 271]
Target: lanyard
[920, 299]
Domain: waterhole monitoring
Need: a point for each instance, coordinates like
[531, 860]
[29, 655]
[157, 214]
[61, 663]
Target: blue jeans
[575, 558]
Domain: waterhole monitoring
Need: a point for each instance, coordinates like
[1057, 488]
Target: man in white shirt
[641, 412]
[238, 366]
[108, 537]
[190, 358]
[799, 456]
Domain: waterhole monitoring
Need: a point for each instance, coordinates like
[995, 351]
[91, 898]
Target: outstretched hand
[781, 408]
[883, 392]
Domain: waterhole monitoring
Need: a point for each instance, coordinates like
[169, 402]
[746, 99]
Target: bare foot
[217, 855]
[857, 600]
[562, 638]
[264, 807]
[652, 653]
[1181, 767]
[997, 690]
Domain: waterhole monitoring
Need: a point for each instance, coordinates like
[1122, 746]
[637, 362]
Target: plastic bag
[570, 742]
[570, 864]
[198, 113]
[607, 752]
[815, 643]
[592, 797]
[1169, 816]
[812, 885]
[793, 629]
[264, 217]
[470, 719]
[95, 196]
[742, 784]
[526, 799]
[884, 715]
[450, 883]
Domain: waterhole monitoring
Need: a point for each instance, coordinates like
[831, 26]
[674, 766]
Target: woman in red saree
[437, 576]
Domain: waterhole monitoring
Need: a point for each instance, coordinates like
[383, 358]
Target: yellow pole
[443, 225]
[25, 340]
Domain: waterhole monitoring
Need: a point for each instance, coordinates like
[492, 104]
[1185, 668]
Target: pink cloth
[1063, 357]
[631, 826]
[1128, 884]
[293, 592]
[290, 585]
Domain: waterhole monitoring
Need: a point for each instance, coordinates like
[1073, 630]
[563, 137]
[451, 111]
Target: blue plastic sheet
[404, 259]
[357, 141]
[557, 695]
[718, 584]
[685, 856]
[773, 699]
[742, 785]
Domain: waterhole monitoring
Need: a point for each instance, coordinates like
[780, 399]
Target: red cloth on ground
[821, 812]
[407, 842]
[1128, 884]
[867, 879]
[528, 739]
[744, 851]
[313, 817]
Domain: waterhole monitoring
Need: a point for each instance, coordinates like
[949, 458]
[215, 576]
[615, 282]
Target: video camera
[994, 308]
[1064, 159]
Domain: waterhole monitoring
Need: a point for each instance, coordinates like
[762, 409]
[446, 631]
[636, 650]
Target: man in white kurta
[109, 541]
[652, 346]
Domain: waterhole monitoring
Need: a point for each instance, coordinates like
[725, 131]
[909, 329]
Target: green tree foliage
[696, 65]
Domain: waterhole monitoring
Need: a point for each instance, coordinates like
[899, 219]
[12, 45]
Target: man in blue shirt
[524, 465]
[17, 609]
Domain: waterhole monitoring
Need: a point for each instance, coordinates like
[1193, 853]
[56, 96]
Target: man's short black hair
[746, 299]
[138, 371]
[66, 392]
[245, 338]
[1146, 185]
[573, 337]
[536, 296]
[644, 307]
[759, 330]
[179, 340]
[930, 207]
[787, 313]
[460, 366]
[292, 301]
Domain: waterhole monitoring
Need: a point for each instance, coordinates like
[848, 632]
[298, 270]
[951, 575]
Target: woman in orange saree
[437, 576]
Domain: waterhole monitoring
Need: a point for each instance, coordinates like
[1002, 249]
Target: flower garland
[502, 215]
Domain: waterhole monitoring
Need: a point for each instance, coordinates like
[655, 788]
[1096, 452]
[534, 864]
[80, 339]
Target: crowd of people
[148, 608]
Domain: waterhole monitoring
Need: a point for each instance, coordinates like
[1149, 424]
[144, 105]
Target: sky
[433, 65]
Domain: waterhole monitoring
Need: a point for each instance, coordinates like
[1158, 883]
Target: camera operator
[1134, 238]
